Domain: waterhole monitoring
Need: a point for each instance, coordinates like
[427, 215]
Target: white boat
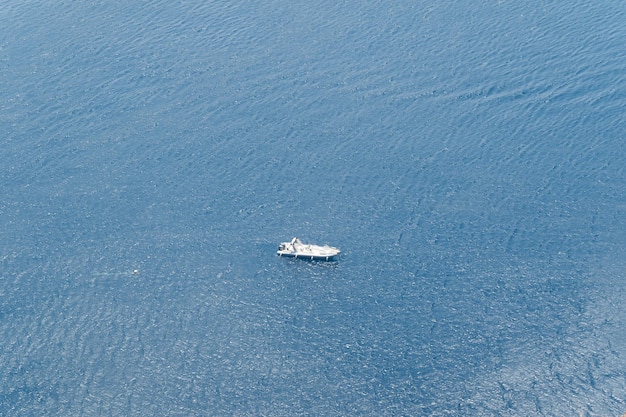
[297, 249]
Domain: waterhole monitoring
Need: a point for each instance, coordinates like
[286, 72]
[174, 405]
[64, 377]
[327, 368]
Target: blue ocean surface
[468, 157]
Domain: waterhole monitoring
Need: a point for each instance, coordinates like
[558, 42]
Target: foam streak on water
[467, 158]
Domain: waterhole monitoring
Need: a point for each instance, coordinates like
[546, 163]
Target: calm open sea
[468, 157]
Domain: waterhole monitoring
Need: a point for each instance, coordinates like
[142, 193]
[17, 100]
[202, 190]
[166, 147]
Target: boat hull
[296, 249]
[308, 257]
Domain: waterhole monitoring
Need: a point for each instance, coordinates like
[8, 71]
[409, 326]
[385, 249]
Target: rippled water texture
[467, 157]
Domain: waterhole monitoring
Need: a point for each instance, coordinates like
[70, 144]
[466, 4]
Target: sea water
[467, 157]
